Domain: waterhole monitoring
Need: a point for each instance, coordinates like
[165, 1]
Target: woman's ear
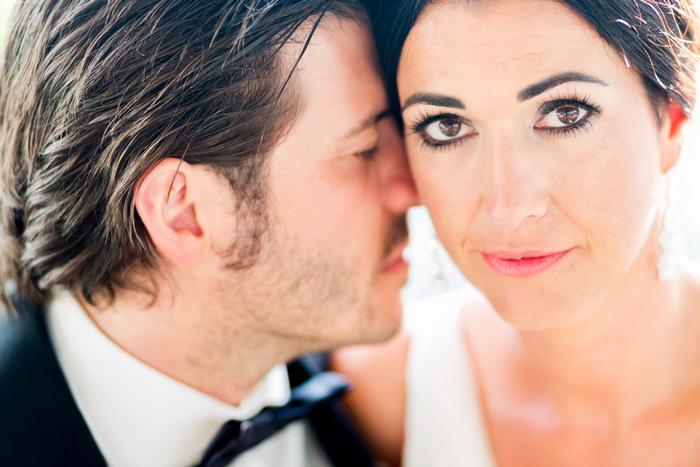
[167, 205]
[673, 122]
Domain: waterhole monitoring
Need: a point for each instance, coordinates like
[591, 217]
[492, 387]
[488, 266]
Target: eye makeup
[572, 102]
[581, 106]
[426, 119]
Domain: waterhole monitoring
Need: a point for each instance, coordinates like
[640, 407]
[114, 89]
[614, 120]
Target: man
[194, 192]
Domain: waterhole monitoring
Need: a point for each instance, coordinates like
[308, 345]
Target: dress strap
[444, 422]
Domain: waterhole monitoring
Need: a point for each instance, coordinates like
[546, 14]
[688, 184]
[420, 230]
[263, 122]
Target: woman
[539, 133]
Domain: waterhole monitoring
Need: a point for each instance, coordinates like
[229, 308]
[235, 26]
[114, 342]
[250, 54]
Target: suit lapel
[40, 423]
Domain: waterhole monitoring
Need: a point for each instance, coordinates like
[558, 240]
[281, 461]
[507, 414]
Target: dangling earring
[670, 237]
[435, 270]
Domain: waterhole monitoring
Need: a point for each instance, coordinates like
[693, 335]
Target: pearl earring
[670, 237]
[435, 270]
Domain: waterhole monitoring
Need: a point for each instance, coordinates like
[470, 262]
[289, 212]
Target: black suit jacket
[41, 426]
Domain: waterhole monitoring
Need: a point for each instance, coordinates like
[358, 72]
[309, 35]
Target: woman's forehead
[500, 20]
[510, 39]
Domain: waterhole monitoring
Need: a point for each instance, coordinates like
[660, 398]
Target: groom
[193, 193]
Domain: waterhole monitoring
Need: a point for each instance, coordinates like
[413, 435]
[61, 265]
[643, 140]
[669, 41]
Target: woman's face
[536, 151]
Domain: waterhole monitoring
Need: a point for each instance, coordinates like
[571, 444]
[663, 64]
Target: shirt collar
[137, 415]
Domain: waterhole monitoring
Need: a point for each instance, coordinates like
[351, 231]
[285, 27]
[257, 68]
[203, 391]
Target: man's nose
[398, 188]
[514, 185]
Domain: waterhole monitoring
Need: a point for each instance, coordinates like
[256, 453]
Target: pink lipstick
[525, 264]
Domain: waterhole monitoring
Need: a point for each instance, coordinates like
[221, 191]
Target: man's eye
[446, 129]
[563, 116]
[369, 154]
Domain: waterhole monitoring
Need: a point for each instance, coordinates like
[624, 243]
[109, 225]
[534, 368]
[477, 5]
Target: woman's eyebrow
[431, 98]
[441, 100]
[554, 81]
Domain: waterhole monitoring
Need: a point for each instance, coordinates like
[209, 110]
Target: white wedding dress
[444, 423]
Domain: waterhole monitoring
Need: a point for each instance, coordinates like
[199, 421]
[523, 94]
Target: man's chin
[386, 319]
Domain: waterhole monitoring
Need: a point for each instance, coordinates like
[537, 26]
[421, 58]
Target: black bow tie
[237, 436]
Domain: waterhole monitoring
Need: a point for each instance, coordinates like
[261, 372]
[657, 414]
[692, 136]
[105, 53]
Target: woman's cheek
[449, 198]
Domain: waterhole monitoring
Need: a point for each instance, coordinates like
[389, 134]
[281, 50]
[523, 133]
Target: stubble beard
[309, 300]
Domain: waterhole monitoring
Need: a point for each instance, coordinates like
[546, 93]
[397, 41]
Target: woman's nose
[514, 186]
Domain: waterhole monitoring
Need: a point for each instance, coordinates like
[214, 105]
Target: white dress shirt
[141, 417]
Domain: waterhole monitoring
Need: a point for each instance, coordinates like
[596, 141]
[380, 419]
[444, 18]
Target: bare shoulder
[377, 401]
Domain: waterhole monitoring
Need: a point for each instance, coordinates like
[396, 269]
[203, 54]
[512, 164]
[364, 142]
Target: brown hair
[95, 92]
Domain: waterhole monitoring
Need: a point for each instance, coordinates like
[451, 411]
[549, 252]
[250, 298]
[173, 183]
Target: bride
[539, 133]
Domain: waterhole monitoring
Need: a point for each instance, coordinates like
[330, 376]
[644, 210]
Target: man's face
[330, 267]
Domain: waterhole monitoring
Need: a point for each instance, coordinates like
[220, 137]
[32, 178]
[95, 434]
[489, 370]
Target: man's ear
[166, 203]
[673, 122]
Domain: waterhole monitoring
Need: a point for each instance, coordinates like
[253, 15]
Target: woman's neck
[632, 349]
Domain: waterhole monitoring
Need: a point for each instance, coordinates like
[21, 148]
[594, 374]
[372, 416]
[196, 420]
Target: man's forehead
[338, 84]
[365, 124]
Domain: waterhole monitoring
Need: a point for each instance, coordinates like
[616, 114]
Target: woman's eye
[446, 129]
[563, 116]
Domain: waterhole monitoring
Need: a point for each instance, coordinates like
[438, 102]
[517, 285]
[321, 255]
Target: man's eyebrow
[368, 123]
[554, 81]
[431, 98]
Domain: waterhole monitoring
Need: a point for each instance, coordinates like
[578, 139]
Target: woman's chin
[529, 307]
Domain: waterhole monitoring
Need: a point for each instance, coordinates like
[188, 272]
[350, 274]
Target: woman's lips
[525, 264]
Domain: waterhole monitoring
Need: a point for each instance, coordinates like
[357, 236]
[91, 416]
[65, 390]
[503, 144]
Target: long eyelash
[575, 101]
[425, 119]
[441, 146]
[570, 130]
[569, 99]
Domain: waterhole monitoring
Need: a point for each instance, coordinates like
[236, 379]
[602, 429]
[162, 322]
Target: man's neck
[190, 339]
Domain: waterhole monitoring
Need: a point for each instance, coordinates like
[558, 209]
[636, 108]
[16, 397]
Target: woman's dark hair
[93, 93]
[657, 37]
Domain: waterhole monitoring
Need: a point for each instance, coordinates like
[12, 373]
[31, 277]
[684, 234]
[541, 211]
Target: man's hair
[93, 93]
